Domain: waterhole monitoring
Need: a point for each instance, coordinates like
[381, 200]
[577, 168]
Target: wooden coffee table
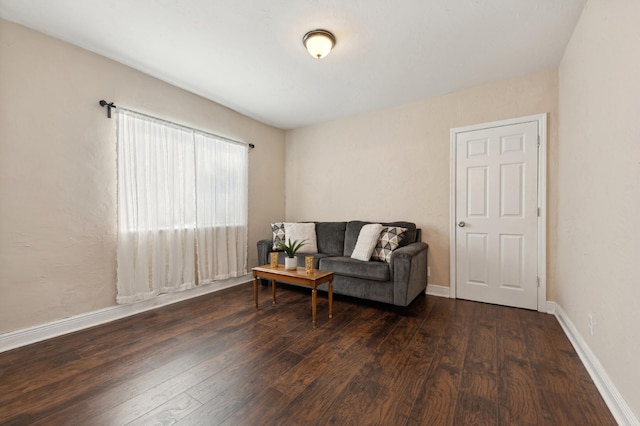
[295, 276]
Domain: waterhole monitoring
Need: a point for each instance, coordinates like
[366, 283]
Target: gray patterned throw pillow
[390, 238]
[278, 234]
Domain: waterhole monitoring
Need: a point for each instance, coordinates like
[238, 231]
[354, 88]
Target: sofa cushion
[377, 271]
[367, 240]
[302, 231]
[389, 240]
[330, 237]
[316, 259]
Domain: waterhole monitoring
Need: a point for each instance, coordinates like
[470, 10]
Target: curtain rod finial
[109, 105]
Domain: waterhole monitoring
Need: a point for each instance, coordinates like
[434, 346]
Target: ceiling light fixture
[319, 43]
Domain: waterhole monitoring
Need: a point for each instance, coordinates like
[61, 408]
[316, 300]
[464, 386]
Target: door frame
[541, 119]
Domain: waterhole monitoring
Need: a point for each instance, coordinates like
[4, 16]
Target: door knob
[461, 224]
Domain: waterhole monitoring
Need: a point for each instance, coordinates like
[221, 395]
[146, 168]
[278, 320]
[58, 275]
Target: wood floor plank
[262, 409]
[314, 401]
[328, 388]
[81, 348]
[394, 402]
[378, 373]
[344, 316]
[216, 360]
[31, 405]
[183, 370]
[203, 381]
[518, 398]
[168, 413]
[229, 395]
[437, 401]
[563, 382]
[477, 398]
[320, 360]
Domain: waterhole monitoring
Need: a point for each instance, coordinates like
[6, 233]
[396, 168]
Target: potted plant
[291, 248]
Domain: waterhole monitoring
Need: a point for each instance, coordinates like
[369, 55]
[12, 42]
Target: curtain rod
[110, 105]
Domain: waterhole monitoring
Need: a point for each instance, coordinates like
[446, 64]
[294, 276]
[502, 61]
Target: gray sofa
[396, 283]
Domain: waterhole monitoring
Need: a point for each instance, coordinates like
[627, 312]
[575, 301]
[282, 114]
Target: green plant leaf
[291, 248]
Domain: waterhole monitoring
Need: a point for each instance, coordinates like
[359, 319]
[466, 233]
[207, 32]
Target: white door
[497, 215]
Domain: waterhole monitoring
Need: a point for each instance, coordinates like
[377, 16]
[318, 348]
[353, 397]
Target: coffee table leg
[255, 290]
[330, 299]
[314, 296]
[273, 290]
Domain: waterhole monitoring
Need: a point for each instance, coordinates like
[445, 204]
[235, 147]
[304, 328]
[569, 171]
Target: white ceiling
[248, 54]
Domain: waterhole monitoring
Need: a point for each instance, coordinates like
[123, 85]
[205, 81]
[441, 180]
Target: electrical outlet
[590, 316]
[428, 271]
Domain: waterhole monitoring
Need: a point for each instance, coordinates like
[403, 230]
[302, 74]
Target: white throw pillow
[367, 240]
[302, 231]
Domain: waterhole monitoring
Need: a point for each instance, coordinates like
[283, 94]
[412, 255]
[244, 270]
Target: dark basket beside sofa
[398, 282]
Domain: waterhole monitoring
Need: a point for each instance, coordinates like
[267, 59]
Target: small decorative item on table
[308, 264]
[291, 248]
[274, 260]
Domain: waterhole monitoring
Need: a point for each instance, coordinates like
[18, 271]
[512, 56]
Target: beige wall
[58, 172]
[599, 187]
[393, 164]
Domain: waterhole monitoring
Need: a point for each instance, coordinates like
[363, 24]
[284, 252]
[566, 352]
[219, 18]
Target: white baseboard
[551, 307]
[437, 290]
[618, 406]
[27, 336]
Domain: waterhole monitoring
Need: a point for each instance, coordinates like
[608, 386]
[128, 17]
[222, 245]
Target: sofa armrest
[409, 272]
[264, 248]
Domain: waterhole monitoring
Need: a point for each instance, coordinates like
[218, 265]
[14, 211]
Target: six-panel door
[496, 215]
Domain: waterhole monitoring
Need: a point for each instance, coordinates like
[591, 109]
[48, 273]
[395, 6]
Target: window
[182, 207]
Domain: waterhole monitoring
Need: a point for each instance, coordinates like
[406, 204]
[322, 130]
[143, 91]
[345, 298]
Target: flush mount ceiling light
[319, 43]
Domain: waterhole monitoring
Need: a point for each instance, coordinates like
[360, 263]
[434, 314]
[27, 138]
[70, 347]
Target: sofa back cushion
[330, 237]
[354, 227]
[351, 236]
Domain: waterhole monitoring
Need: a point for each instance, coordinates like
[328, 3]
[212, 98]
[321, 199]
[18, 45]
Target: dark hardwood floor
[215, 360]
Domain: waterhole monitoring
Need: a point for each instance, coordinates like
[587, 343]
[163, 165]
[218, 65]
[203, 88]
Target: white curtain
[221, 208]
[175, 227]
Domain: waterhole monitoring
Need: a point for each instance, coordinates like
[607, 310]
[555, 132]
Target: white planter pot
[290, 263]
